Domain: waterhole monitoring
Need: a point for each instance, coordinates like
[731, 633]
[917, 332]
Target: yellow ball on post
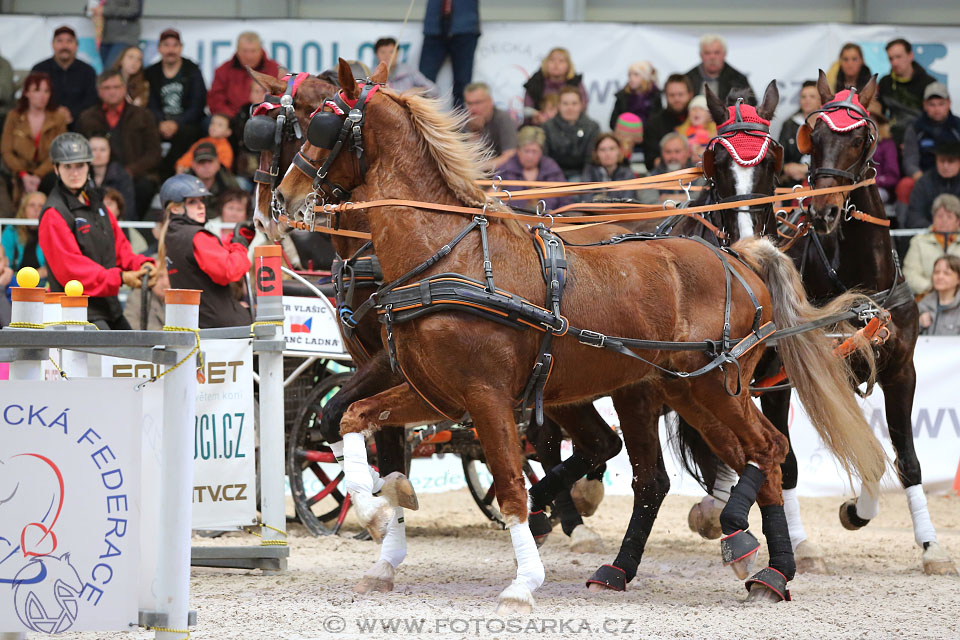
[28, 277]
[73, 288]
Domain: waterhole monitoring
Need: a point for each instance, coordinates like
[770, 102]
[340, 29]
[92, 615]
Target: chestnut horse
[374, 374]
[674, 290]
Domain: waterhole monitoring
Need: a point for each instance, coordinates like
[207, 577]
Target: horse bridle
[739, 125]
[341, 126]
[262, 133]
[863, 161]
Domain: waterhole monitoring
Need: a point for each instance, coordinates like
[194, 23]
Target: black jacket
[903, 101]
[653, 131]
[535, 86]
[74, 87]
[571, 145]
[729, 79]
[194, 98]
[218, 306]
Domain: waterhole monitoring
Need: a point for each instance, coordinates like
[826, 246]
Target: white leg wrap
[529, 567]
[337, 449]
[791, 508]
[726, 478]
[394, 546]
[868, 502]
[923, 530]
[356, 469]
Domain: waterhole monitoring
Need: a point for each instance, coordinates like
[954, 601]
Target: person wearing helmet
[81, 240]
[196, 258]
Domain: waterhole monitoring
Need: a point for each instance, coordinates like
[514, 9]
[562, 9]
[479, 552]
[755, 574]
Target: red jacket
[66, 261]
[224, 262]
[231, 84]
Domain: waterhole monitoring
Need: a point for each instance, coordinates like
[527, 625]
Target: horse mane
[749, 97]
[458, 156]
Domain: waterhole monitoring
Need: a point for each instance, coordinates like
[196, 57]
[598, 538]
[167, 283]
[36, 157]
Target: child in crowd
[550, 107]
[234, 208]
[218, 133]
[699, 129]
[628, 130]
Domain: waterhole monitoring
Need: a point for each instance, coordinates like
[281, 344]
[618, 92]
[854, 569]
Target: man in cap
[178, 97]
[214, 176]
[81, 239]
[74, 81]
[936, 125]
[944, 177]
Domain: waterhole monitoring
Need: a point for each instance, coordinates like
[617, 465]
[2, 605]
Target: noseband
[333, 130]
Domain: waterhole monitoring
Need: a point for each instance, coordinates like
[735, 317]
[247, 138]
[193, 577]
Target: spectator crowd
[135, 129]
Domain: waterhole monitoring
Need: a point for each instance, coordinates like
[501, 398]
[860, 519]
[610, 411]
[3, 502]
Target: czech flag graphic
[301, 328]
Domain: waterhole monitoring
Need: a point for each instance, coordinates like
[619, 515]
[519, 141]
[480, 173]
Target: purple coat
[549, 171]
[888, 167]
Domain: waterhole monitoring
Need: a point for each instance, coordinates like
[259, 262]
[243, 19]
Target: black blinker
[259, 133]
[324, 129]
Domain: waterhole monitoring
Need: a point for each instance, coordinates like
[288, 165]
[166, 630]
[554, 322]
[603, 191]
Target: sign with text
[69, 506]
[310, 325]
[224, 488]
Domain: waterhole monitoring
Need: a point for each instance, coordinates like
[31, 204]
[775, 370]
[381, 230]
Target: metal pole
[176, 471]
[269, 287]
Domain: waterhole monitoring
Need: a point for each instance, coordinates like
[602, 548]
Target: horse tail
[693, 452]
[823, 380]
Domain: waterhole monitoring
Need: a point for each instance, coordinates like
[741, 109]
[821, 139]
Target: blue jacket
[465, 18]
[922, 136]
[14, 248]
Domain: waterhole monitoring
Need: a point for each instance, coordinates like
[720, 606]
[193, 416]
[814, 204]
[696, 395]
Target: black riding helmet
[180, 187]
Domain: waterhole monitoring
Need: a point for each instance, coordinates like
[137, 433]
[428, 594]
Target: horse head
[743, 161]
[276, 130]
[322, 170]
[841, 142]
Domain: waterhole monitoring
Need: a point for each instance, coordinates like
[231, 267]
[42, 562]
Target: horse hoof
[587, 496]
[374, 513]
[585, 540]
[936, 562]
[597, 587]
[515, 600]
[704, 519]
[399, 492]
[848, 516]
[378, 578]
[743, 566]
[762, 595]
[810, 560]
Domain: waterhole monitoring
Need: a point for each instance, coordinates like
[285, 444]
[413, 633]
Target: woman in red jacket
[196, 258]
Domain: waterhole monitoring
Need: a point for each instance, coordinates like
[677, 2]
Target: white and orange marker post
[27, 311]
[269, 291]
[176, 469]
[73, 309]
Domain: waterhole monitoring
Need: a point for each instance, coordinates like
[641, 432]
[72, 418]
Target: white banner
[310, 326]
[936, 429]
[224, 491]
[69, 506]
[509, 52]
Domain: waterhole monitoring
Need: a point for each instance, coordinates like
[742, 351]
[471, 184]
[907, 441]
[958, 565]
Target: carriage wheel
[316, 480]
[480, 483]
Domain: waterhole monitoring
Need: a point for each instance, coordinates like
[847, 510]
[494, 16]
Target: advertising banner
[69, 506]
[224, 491]
[310, 326]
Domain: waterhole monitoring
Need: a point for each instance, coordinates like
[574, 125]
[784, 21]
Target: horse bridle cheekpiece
[842, 114]
[262, 133]
[336, 122]
[742, 137]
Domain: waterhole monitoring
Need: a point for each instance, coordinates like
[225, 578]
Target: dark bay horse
[673, 290]
[848, 250]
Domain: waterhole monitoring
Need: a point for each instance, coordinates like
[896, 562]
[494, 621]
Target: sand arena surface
[457, 564]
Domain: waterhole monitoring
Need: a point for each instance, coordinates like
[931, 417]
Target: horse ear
[823, 88]
[348, 83]
[273, 85]
[709, 164]
[868, 92]
[771, 98]
[804, 143]
[715, 105]
[380, 73]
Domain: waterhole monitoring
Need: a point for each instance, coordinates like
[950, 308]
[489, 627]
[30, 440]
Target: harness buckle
[355, 115]
[592, 338]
